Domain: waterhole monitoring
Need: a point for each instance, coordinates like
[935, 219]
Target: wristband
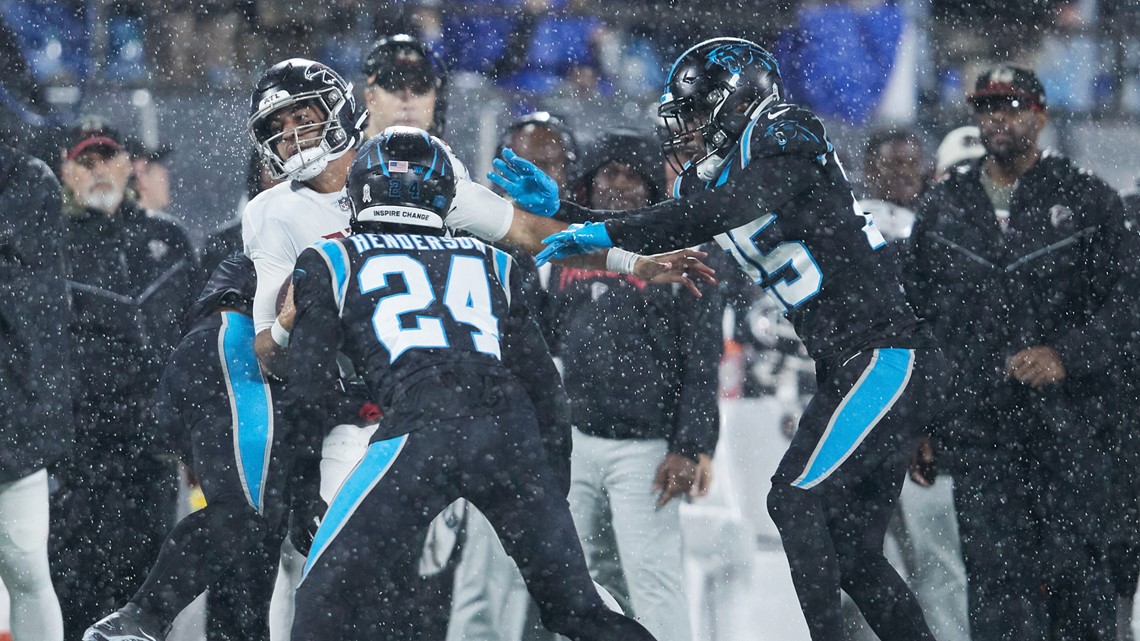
[621, 261]
[279, 333]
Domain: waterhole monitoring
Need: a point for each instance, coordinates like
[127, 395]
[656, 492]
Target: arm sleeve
[697, 423]
[916, 269]
[263, 244]
[480, 212]
[1113, 280]
[763, 186]
[527, 356]
[312, 350]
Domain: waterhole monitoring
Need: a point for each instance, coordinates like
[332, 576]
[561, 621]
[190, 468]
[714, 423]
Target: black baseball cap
[92, 132]
[403, 62]
[140, 151]
[1008, 81]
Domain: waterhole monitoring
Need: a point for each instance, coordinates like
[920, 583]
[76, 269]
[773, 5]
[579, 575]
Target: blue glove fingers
[546, 255]
[505, 169]
[504, 183]
[509, 155]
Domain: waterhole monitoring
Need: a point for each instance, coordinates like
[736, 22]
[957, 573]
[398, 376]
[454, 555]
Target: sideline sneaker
[128, 623]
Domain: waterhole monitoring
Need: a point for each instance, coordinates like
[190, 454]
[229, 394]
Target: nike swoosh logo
[776, 114]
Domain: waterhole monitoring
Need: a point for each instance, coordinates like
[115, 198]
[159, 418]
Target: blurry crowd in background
[854, 51]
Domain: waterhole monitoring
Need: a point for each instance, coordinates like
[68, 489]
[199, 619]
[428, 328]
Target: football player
[306, 126]
[437, 328]
[215, 398]
[769, 189]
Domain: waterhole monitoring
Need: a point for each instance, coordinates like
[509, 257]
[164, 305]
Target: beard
[102, 198]
[1006, 148]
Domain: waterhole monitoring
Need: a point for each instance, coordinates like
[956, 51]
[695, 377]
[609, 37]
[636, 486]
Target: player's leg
[231, 440]
[486, 603]
[375, 523]
[510, 480]
[648, 537]
[35, 612]
[858, 519]
[841, 441]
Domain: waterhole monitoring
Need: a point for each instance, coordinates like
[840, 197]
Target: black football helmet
[402, 181]
[399, 61]
[716, 89]
[298, 82]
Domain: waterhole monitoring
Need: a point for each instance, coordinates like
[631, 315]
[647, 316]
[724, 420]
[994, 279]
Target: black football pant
[835, 489]
[237, 454]
[380, 514]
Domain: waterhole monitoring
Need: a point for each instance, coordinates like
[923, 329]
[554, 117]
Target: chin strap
[307, 164]
[709, 167]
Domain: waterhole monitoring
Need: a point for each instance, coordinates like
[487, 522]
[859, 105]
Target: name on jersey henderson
[365, 242]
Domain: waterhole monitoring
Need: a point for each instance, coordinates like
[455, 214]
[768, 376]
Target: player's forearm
[527, 230]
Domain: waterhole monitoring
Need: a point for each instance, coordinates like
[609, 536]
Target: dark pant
[1035, 555]
[236, 449]
[108, 520]
[378, 520]
[836, 487]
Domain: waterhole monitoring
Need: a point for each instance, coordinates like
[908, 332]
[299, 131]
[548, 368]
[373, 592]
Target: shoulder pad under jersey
[786, 129]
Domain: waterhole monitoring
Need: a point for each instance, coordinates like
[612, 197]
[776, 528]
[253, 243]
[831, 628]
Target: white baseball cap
[964, 143]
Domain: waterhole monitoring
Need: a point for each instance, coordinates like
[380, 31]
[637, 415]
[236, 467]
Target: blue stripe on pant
[251, 405]
[367, 473]
[869, 400]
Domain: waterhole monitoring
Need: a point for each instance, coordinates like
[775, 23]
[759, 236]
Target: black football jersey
[402, 310]
[783, 208]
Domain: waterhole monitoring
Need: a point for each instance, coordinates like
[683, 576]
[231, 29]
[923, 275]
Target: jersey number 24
[467, 296]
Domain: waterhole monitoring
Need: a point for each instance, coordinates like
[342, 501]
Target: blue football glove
[526, 184]
[574, 240]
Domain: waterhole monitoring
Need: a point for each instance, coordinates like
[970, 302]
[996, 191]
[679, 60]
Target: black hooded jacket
[35, 404]
[639, 360]
[1062, 275]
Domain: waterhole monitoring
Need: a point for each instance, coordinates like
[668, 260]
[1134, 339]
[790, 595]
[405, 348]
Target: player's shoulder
[786, 129]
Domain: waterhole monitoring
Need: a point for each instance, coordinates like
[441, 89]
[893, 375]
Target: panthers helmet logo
[736, 57]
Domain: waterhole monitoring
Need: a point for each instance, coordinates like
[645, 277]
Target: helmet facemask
[315, 144]
[695, 137]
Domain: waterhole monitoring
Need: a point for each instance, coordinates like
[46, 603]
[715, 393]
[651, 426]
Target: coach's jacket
[133, 276]
[1061, 275]
[35, 403]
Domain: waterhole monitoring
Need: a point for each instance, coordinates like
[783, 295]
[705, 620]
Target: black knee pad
[783, 500]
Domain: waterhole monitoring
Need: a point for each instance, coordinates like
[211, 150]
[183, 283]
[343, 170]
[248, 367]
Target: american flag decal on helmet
[398, 166]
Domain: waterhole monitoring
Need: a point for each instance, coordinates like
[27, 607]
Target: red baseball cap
[92, 132]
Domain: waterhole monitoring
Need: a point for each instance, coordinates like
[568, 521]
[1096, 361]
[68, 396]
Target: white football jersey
[277, 226]
[283, 220]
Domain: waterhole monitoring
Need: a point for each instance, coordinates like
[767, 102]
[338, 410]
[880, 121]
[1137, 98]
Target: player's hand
[1036, 366]
[288, 313]
[526, 184]
[922, 470]
[573, 241]
[675, 477]
[703, 482]
[683, 267]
